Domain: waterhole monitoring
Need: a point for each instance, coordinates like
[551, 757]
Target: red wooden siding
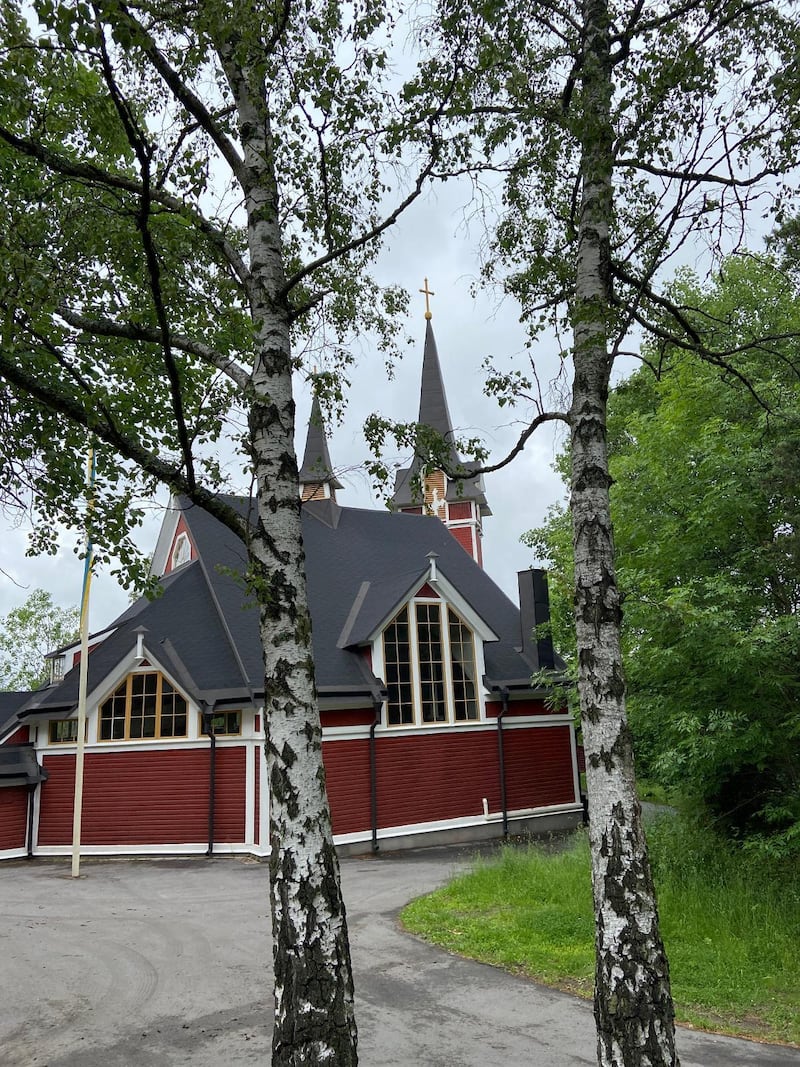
[463, 534]
[347, 778]
[19, 737]
[229, 810]
[446, 776]
[426, 591]
[538, 766]
[360, 717]
[13, 816]
[145, 798]
[517, 708]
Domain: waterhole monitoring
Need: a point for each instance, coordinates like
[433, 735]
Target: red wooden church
[432, 729]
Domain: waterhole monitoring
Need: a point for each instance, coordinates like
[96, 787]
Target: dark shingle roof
[10, 703]
[361, 565]
[19, 766]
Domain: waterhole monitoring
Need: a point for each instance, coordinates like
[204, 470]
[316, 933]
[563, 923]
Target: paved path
[156, 964]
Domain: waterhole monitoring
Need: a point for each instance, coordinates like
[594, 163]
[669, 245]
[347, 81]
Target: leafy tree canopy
[128, 287]
[706, 509]
[27, 634]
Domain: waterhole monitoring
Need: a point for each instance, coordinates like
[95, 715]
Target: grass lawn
[731, 925]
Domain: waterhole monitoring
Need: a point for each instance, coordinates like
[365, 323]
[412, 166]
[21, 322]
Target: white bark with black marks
[314, 1020]
[633, 1005]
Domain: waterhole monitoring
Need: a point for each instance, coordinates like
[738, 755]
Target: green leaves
[27, 634]
[706, 517]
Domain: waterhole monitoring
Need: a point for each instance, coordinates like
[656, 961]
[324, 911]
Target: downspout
[208, 728]
[31, 794]
[501, 758]
[378, 697]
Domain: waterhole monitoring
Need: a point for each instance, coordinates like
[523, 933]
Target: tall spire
[433, 410]
[317, 480]
[459, 503]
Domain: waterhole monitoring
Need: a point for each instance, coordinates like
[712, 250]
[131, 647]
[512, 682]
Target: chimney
[534, 610]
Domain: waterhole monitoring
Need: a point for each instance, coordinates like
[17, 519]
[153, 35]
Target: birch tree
[705, 501]
[189, 192]
[625, 133]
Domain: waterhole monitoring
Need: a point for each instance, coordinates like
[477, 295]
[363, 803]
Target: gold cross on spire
[428, 294]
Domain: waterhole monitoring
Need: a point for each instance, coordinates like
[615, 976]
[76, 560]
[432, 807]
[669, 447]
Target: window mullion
[128, 707]
[413, 646]
[447, 663]
[157, 710]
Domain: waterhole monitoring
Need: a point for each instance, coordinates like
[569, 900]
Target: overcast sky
[430, 242]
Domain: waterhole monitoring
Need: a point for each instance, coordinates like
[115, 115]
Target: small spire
[316, 473]
[428, 294]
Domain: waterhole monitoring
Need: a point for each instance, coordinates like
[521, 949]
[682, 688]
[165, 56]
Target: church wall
[347, 778]
[538, 767]
[359, 717]
[464, 536]
[517, 708]
[461, 509]
[13, 818]
[145, 798]
[19, 737]
[435, 777]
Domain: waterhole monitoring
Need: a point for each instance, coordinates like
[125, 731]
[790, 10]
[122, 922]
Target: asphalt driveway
[144, 964]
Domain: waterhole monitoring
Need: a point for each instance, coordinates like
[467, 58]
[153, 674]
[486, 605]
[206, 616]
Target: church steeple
[459, 503]
[317, 480]
[433, 410]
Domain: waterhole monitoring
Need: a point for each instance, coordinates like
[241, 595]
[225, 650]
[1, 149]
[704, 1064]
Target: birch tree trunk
[633, 1004]
[314, 1016]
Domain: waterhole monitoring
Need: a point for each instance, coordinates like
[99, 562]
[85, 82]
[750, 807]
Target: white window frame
[181, 551]
[444, 607]
[126, 680]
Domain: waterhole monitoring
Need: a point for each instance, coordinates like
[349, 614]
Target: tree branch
[181, 91]
[97, 420]
[721, 358]
[697, 176]
[368, 235]
[88, 172]
[144, 154]
[542, 418]
[104, 327]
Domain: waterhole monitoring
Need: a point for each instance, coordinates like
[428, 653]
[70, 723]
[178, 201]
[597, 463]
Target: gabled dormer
[317, 480]
[460, 503]
[175, 546]
[427, 643]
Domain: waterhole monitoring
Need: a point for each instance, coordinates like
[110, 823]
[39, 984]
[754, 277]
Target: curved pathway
[162, 963]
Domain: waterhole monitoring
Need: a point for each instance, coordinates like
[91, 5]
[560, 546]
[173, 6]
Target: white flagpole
[82, 685]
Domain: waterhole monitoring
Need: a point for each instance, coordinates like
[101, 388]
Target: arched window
[429, 660]
[145, 705]
[182, 551]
